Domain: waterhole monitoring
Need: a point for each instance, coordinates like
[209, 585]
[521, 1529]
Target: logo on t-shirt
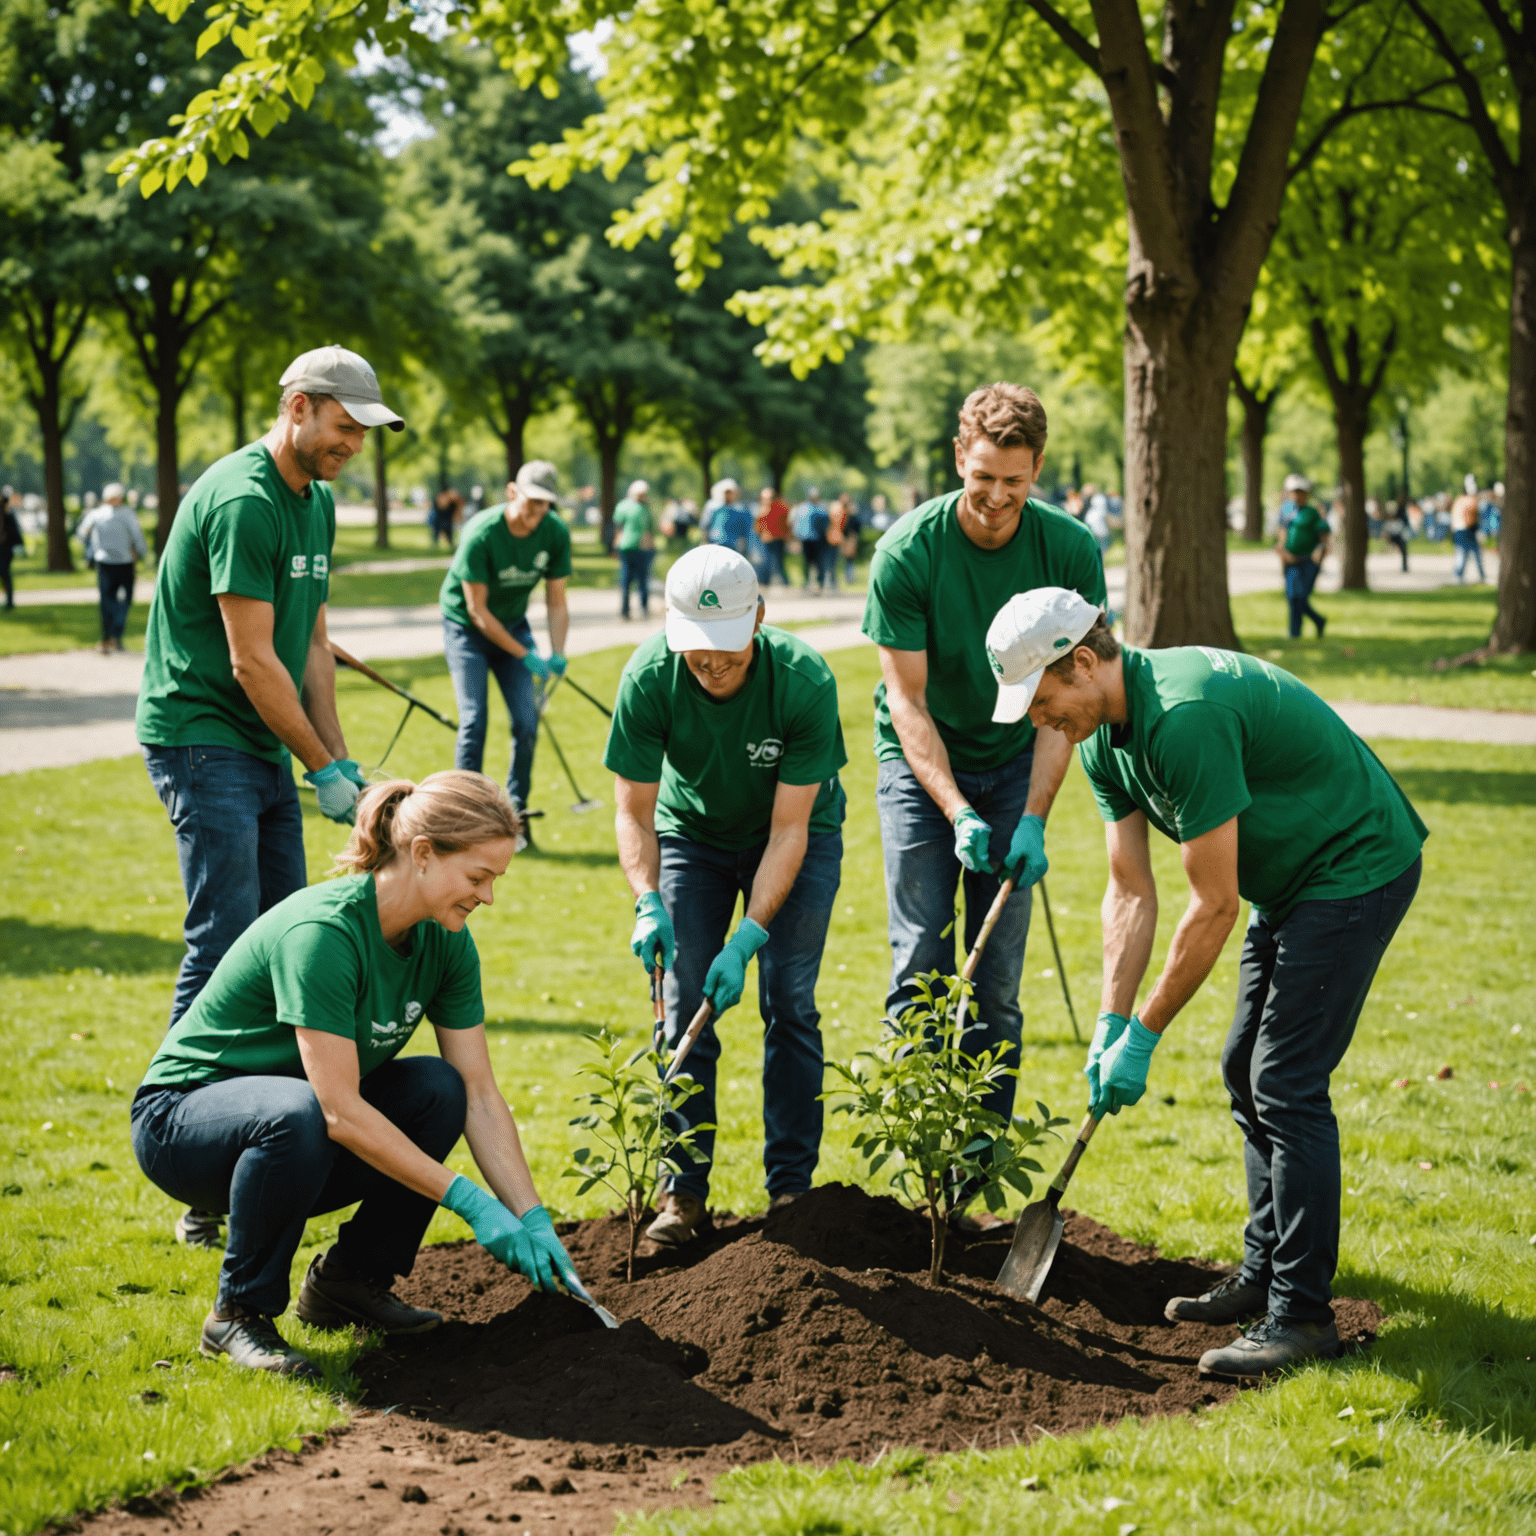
[761, 754]
[1221, 661]
[391, 1035]
[300, 566]
[516, 576]
[320, 566]
[541, 559]
[707, 599]
[412, 1012]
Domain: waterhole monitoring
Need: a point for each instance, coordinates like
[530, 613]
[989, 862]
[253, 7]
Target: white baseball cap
[1031, 630]
[711, 600]
[349, 378]
[1296, 483]
[538, 480]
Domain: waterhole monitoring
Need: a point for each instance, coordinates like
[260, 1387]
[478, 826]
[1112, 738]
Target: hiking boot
[251, 1340]
[1271, 1345]
[1230, 1299]
[678, 1221]
[200, 1229]
[331, 1298]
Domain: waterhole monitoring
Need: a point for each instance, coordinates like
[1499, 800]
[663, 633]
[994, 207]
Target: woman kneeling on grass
[281, 1094]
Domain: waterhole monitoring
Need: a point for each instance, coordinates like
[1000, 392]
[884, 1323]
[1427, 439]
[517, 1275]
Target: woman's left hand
[549, 1252]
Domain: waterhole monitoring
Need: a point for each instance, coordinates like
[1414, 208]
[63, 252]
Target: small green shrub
[633, 1117]
[918, 1098]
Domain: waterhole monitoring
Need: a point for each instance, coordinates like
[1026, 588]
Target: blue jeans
[1465, 540]
[258, 1148]
[771, 562]
[635, 571]
[921, 877]
[114, 584]
[1299, 581]
[240, 840]
[1301, 987]
[699, 887]
[472, 660]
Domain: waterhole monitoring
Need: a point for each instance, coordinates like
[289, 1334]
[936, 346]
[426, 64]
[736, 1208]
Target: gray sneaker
[1271, 1345]
[678, 1221]
[251, 1340]
[200, 1229]
[1228, 1301]
[337, 1301]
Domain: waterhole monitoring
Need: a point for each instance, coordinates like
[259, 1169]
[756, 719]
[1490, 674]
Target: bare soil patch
[810, 1334]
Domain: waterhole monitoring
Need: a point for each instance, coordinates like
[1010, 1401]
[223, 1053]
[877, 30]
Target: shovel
[695, 1029]
[1038, 1233]
[988, 923]
[583, 1295]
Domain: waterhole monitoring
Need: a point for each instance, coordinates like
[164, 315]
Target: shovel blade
[1035, 1241]
[583, 806]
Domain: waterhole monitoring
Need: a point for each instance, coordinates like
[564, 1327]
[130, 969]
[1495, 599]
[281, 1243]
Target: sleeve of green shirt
[316, 979]
[1113, 802]
[457, 1003]
[813, 750]
[1088, 574]
[242, 542]
[895, 613]
[464, 567]
[1196, 752]
[560, 555]
[637, 739]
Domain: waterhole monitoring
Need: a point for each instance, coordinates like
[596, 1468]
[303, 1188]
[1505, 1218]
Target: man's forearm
[319, 699]
[639, 854]
[925, 752]
[496, 632]
[274, 698]
[559, 616]
[777, 872]
[1130, 926]
[1196, 947]
[1052, 754]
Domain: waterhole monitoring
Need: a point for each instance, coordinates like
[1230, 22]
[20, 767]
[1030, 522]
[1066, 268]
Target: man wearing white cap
[963, 793]
[237, 671]
[502, 557]
[1302, 545]
[726, 745]
[1275, 801]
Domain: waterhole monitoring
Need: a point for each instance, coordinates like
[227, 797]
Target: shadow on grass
[42, 949]
[1469, 1363]
[1466, 786]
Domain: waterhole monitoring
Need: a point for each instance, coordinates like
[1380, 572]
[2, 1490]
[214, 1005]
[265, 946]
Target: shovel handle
[988, 923]
[658, 1001]
[1079, 1146]
[695, 1029]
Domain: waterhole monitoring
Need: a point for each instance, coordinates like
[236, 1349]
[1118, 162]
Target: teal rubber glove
[499, 1232]
[551, 1251]
[1123, 1070]
[353, 771]
[336, 792]
[1109, 1029]
[557, 664]
[653, 932]
[727, 975]
[536, 664]
[971, 837]
[1026, 860]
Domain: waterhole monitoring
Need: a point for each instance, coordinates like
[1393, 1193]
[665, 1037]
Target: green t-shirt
[1210, 735]
[720, 761]
[1305, 533]
[242, 530]
[632, 520]
[931, 589]
[318, 960]
[508, 568]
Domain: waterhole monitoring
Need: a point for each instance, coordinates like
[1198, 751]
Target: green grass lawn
[104, 1394]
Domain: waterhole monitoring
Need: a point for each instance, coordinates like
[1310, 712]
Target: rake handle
[695, 1029]
[988, 923]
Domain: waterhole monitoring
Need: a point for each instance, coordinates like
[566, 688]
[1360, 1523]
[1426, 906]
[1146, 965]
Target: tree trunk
[49, 411]
[608, 446]
[1515, 627]
[380, 492]
[167, 448]
[1176, 380]
[779, 460]
[1256, 411]
[237, 410]
[939, 1229]
[1351, 423]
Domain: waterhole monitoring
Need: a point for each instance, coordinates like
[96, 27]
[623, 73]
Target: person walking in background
[811, 522]
[636, 543]
[1396, 532]
[1302, 545]
[682, 520]
[114, 543]
[727, 519]
[1464, 525]
[850, 528]
[11, 541]
[772, 528]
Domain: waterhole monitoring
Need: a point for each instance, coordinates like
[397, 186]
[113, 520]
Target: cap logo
[707, 599]
[997, 666]
[1059, 644]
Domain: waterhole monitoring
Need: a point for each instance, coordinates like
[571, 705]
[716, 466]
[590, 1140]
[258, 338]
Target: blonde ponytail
[455, 809]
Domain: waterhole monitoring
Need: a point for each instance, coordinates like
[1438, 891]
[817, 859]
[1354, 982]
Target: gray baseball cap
[348, 377]
[538, 480]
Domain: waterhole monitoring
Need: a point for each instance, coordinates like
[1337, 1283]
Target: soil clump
[810, 1333]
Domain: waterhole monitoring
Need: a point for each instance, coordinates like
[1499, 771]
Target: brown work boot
[678, 1221]
[331, 1298]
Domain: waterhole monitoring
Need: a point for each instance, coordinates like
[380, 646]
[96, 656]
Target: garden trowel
[582, 1294]
[1038, 1233]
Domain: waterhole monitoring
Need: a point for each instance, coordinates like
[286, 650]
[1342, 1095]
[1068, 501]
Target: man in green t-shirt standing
[237, 671]
[964, 792]
[726, 745]
[635, 541]
[1275, 801]
[1303, 545]
[502, 557]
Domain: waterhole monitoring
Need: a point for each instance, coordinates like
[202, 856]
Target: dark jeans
[771, 562]
[1400, 544]
[812, 551]
[921, 877]
[240, 840]
[114, 583]
[699, 887]
[1465, 542]
[258, 1148]
[635, 571]
[472, 661]
[1300, 990]
[1299, 581]
[6, 579]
